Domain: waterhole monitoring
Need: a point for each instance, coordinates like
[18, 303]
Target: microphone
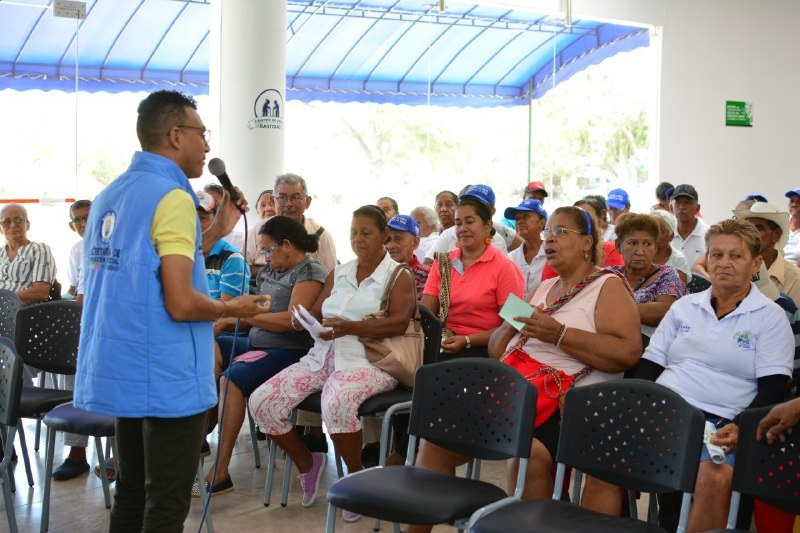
[217, 167]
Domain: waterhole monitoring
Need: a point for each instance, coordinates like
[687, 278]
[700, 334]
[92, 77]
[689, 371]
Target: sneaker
[70, 470]
[310, 480]
[315, 444]
[350, 516]
[205, 449]
[226, 485]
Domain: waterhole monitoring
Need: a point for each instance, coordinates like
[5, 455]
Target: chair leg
[98, 445]
[24, 449]
[287, 480]
[576, 487]
[253, 437]
[330, 521]
[204, 497]
[8, 444]
[271, 464]
[48, 479]
[7, 477]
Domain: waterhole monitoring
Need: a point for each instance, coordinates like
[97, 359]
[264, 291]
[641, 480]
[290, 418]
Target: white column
[248, 79]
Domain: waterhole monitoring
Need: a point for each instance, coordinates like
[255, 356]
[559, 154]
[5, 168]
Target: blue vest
[134, 360]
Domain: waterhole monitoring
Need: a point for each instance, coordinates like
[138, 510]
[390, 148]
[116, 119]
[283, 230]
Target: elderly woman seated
[665, 253]
[337, 364]
[655, 287]
[724, 349]
[584, 328]
[26, 268]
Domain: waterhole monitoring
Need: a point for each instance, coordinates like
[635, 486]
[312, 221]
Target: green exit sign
[739, 113]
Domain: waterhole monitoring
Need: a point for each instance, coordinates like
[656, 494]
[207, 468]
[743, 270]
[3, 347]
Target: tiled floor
[77, 505]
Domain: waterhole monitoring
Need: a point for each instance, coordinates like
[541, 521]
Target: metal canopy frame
[385, 51]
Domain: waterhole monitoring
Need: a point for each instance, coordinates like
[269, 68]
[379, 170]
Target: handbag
[399, 356]
[551, 383]
[443, 259]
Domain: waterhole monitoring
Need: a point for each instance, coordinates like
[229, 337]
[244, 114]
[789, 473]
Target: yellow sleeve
[174, 226]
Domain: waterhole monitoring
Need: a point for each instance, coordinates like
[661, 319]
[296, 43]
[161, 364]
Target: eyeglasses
[80, 220]
[558, 231]
[274, 245]
[204, 132]
[295, 198]
[16, 221]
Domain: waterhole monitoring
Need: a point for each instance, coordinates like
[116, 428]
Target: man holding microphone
[146, 347]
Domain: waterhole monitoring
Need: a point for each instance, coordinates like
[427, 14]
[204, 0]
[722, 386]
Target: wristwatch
[469, 344]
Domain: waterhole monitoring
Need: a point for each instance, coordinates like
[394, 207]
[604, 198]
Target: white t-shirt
[531, 272]
[695, 244]
[75, 260]
[610, 234]
[714, 364]
[791, 252]
[425, 245]
[447, 243]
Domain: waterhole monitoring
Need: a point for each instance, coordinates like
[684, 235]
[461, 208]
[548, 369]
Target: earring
[585, 256]
[488, 240]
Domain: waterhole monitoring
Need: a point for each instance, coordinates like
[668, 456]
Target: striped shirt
[34, 262]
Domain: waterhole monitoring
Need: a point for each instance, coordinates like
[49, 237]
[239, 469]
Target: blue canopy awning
[396, 51]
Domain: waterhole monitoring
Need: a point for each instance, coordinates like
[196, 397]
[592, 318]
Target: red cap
[535, 186]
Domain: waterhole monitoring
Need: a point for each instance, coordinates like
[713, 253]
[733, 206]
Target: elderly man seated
[26, 268]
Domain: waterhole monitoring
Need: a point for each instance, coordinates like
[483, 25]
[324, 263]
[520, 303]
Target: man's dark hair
[214, 187]
[391, 201]
[158, 114]
[78, 204]
[661, 191]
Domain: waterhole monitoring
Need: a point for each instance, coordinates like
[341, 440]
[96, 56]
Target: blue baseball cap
[618, 199]
[531, 205]
[757, 196]
[793, 192]
[404, 223]
[484, 193]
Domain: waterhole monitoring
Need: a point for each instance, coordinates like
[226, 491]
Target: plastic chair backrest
[9, 305]
[432, 328]
[10, 383]
[477, 407]
[632, 433]
[47, 335]
[769, 472]
[698, 283]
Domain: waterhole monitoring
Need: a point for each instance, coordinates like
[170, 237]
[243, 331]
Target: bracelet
[560, 335]
[224, 309]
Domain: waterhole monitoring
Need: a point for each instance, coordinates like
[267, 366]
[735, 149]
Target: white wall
[713, 51]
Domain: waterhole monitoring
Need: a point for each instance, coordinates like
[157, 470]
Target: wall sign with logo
[739, 113]
[267, 111]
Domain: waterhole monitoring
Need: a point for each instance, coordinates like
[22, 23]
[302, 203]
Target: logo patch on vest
[109, 221]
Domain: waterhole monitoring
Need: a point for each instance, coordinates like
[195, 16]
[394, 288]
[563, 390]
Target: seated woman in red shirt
[480, 278]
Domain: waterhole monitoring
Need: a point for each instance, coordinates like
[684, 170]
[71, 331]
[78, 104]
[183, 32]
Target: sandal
[111, 470]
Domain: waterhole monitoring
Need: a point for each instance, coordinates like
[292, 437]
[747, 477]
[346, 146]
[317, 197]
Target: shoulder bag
[401, 355]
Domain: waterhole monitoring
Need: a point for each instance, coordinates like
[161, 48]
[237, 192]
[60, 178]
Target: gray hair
[428, 214]
[668, 218]
[19, 206]
[291, 179]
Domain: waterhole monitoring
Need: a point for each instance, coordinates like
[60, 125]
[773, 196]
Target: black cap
[683, 190]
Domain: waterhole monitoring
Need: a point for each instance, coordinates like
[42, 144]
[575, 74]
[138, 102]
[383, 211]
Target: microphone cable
[223, 394]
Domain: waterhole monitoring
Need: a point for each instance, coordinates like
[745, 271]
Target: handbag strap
[390, 284]
[443, 259]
